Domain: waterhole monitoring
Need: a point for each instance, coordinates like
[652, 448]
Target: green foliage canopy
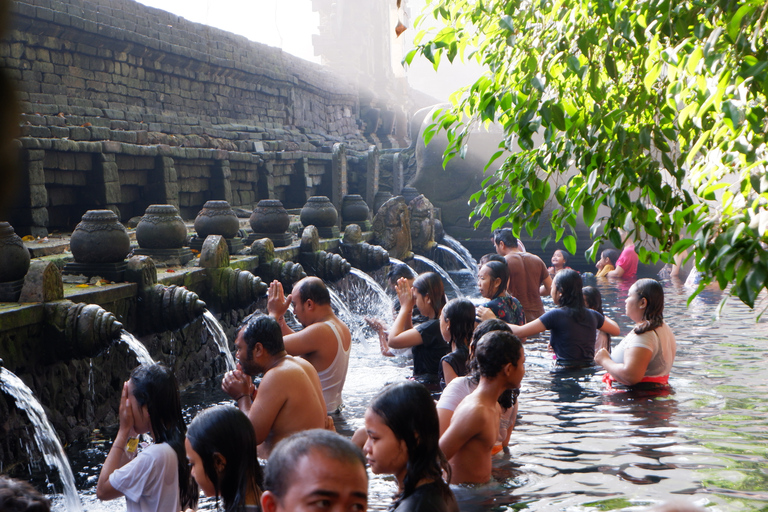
[653, 108]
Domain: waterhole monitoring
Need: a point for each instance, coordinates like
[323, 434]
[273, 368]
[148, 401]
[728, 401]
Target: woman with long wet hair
[158, 478]
[403, 440]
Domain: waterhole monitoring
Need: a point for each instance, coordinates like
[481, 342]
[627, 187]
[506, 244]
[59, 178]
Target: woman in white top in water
[646, 354]
[158, 478]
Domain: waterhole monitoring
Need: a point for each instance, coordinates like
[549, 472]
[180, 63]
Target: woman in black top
[403, 434]
[429, 347]
[457, 322]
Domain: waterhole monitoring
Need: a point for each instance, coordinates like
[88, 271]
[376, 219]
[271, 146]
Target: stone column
[105, 185]
[338, 174]
[372, 175]
[162, 184]
[397, 174]
[30, 216]
[221, 186]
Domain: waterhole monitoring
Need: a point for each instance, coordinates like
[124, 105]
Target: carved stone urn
[217, 218]
[15, 263]
[354, 210]
[270, 220]
[13, 254]
[409, 194]
[320, 212]
[161, 228]
[99, 238]
[379, 199]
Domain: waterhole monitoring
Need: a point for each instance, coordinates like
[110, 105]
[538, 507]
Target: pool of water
[580, 447]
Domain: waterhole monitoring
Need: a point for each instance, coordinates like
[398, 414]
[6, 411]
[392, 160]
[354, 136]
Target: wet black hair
[430, 285]
[461, 314]
[507, 398]
[504, 235]
[264, 329]
[281, 466]
[314, 289]
[499, 270]
[400, 270]
[20, 496]
[612, 254]
[568, 284]
[156, 387]
[408, 410]
[495, 350]
[491, 256]
[227, 431]
[653, 315]
[592, 298]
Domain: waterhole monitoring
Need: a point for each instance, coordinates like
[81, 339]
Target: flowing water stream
[220, 337]
[137, 347]
[578, 446]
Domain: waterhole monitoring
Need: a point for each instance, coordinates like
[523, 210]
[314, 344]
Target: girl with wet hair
[158, 478]
[492, 284]
[402, 428]
[644, 357]
[457, 322]
[221, 449]
[572, 326]
[594, 300]
[429, 347]
[559, 262]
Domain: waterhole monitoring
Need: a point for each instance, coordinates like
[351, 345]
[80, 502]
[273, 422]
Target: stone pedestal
[178, 256]
[10, 291]
[109, 271]
[235, 245]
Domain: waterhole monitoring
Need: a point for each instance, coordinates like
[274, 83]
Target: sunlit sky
[290, 24]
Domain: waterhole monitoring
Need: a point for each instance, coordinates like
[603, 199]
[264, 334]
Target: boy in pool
[468, 442]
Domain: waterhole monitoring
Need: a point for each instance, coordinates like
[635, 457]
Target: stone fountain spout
[271, 268]
[327, 266]
[86, 328]
[361, 254]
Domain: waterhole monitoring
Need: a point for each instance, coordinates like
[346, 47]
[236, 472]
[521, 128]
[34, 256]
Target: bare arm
[544, 290]
[403, 322]
[448, 373]
[444, 417]
[269, 400]
[632, 370]
[306, 341]
[617, 272]
[529, 329]
[462, 429]
[117, 457]
[610, 327]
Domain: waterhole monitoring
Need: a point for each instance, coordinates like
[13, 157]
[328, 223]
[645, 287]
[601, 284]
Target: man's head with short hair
[337, 471]
[262, 329]
[495, 350]
[504, 235]
[19, 496]
[314, 289]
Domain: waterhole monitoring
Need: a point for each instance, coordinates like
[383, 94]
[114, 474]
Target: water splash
[451, 286]
[137, 347]
[216, 331]
[462, 251]
[44, 435]
[446, 253]
[356, 297]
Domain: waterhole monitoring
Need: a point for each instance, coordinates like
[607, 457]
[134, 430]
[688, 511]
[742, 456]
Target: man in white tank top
[325, 340]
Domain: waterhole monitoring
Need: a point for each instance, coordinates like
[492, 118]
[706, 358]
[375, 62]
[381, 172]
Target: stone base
[10, 291]
[235, 245]
[178, 256]
[110, 271]
[364, 225]
[332, 232]
[279, 239]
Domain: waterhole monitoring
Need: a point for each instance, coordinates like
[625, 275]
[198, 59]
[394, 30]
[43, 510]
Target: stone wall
[125, 105]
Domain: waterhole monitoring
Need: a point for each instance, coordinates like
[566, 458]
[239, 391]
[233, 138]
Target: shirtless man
[529, 278]
[325, 341]
[289, 398]
[469, 440]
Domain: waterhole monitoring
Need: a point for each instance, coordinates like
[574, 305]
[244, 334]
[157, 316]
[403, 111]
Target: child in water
[403, 436]
[158, 478]
[457, 321]
[572, 326]
[221, 449]
[559, 262]
[607, 262]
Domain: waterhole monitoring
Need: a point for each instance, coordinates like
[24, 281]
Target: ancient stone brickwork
[125, 105]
